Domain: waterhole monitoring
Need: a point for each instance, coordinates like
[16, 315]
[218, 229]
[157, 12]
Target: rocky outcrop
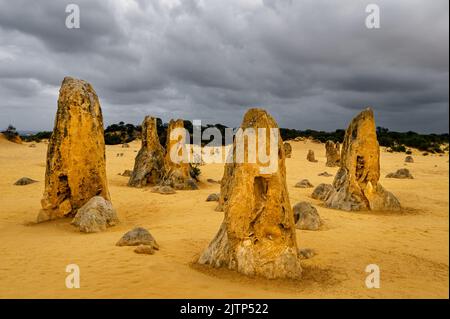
[322, 191]
[287, 149]
[177, 167]
[332, 152]
[149, 163]
[306, 216]
[311, 157]
[304, 183]
[257, 236]
[402, 173]
[24, 181]
[95, 216]
[356, 185]
[75, 169]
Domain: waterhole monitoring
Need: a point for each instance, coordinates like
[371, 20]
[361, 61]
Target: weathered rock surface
[24, 181]
[257, 236]
[310, 156]
[322, 191]
[95, 216]
[356, 185]
[287, 149]
[402, 173]
[75, 169]
[213, 197]
[333, 153]
[304, 183]
[306, 216]
[176, 163]
[409, 159]
[138, 236]
[149, 163]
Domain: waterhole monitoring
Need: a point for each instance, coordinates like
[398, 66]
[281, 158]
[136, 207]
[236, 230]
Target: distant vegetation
[10, 133]
[394, 141]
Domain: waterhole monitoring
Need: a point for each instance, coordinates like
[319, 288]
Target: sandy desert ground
[411, 248]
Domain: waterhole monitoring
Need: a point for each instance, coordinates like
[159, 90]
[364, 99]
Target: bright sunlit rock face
[76, 169]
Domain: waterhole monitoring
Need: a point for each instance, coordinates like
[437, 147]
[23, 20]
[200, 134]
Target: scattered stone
[210, 180]
[287, 149]
[32, 145]
[125, 145]
[322, 191]
[304, 183]
[409, 159]
[127, 173]
[138, 236]
[24, 181]
[306, 216]
[310, 156]
[149, 163]
[332, 152]
[356, 185]
[165, 190]
[78, 134]
[325, 174]
[306, 253]
[257, 236]
[144, 249]
[402, 173]
[95, 216]
[190, 184]
[213, 197]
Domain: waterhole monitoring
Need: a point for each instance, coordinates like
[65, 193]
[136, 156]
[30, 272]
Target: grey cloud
[312, 63]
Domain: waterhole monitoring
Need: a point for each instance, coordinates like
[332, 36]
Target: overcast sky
[312, 64]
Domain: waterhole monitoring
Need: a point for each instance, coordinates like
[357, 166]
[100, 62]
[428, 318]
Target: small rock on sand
[214, 197]
[138, 236]
[402, 173]
[165, 190]
[325, 174]
[24, 181]
[322, 191]
[304, 183]
[306, 216]
[95, 216]
[306, 253]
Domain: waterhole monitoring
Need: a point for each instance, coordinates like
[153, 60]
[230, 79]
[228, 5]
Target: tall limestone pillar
[75, 170]
[257, 235]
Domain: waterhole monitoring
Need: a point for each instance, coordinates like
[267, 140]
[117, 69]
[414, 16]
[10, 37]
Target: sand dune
[411, 247]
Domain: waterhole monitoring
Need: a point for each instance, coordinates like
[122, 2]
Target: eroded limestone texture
[356, 185]
[149, 162]
[177, 167]
[75, 169]
[332, 152]
[257, 236]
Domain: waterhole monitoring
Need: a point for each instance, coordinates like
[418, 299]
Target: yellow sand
[411, 248]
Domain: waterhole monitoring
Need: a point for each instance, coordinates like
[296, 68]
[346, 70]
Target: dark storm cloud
[313, 64]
